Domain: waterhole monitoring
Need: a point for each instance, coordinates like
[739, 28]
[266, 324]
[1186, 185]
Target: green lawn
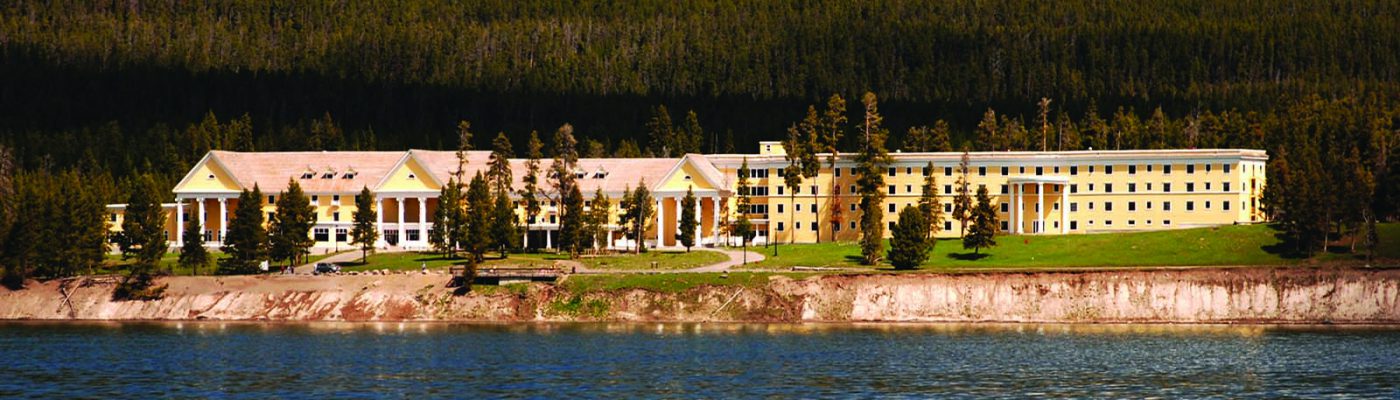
[1226, 245]
[669, 283]
[620, 262]
[171, 262]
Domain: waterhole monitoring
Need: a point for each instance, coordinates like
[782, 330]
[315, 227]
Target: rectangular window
[1005, 207]
[1166, 222]
[947, 171]
[837, 172]
[1108, 206]
[1073, 207]
[321, 234]
[908, 188]
[1132, 222]
[271, 199]
[797, 207]
[1166, 206]
[780, 208]
[1005, 226]
[1074, 170]
[853, 225]
[1132, 187]
[947, 207]
[1004, 171]
[889, 225]
[1207, 202]
[947, 189]
[1207, 184]
[891, 207]
[1003, 189]
[1225, 185]
[1073, 225]
[1225, 168]
[1057, 170]
[1074, 188]
[1190, 168]
[908, 170]
[1166, 187]
[1108, 170]
[1039, 171]
[340, 235]
[853, 206]
[1149, 167]
[335, 216]
[981, 171]
[813, 225]
[1132, 169]
[1166, 169]
[1132, 206]
[1091, 169]
[891, 189]
[780, 226]
[814, 208]
[947, 225]
[1225, 205]
[1190, 206]
[1108, 222]
[1091, 187]
[1190, 187]
[780, 190]
[892, 171]
[797, 225]
[1149, 205]
[315, 199]
[853, 189]
[1108, 188]
[1207, 168]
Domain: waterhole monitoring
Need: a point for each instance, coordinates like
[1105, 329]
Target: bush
[910, 242]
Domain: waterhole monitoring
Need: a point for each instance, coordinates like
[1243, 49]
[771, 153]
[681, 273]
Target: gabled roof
[271, 170]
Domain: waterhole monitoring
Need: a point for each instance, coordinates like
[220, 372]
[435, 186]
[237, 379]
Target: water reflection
[424, 359]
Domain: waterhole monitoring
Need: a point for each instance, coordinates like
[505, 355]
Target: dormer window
[328, 175]
[349, 174]
[308, 175]
[600, 173]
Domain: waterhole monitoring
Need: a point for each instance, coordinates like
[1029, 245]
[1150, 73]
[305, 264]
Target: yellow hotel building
[1064, 192]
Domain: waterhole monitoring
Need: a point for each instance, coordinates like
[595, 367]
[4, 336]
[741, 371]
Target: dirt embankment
[1255, 295]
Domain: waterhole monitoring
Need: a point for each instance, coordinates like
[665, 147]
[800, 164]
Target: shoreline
[1235, 296]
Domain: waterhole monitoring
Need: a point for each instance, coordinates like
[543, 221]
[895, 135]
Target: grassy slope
[622, 262]
[1226, 245]
[171, 261]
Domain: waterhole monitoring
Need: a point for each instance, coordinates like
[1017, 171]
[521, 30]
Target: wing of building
[1065, 192]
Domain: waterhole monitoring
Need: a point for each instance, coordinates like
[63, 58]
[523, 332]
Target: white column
[660, 213]
[398, 203]
[379, 219]
[1014, 209]
[548, 240]
[714, 220]
[1064, 209]
[179, 220]
[1040, 205]
[423, 219]
[1020, 206]
[223, 218]
[698, 217]
[202, 225]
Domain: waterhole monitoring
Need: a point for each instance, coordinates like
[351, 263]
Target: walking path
[337, 258]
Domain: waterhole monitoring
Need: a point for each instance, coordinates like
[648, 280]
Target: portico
[1039, 186]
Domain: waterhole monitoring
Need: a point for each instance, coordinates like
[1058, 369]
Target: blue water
[417, 360]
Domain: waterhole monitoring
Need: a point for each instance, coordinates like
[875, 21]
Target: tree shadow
[1286, 247]
[856, 259]
[968, 256]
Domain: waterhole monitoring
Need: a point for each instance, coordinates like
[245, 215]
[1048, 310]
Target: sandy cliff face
[1298, 295]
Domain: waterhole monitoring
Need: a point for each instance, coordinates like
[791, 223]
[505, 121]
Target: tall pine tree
[871, 162]
[688, 221]
[246, 243]
[363, 232]
[290, 231]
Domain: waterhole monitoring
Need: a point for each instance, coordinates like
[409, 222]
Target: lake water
[368, 360]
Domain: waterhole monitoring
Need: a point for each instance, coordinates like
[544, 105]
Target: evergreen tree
[627, 148]
[363, 232]
[246, 242]
[794, 146]
[962, 202]
[1043, 124]
[910, 239]
[831, 129]
[688, 221]
[477, 233]
[290, 228]
[499, 173]
[143, 230]
[930, 204]
[870, 181]
[143, 236]
[988, 132]
[573, 238]
[192, 252]
[464, 144]
[638, 212]
[984, 226]
[939, 137]
[448, 219]
[661, 132]
[599, 217]
[503, 231]
[529, 194]
[692, 134]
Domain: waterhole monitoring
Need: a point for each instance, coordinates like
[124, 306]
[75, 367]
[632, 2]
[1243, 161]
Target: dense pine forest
[112, 90]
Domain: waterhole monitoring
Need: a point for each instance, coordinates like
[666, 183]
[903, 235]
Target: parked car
[325, 268]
